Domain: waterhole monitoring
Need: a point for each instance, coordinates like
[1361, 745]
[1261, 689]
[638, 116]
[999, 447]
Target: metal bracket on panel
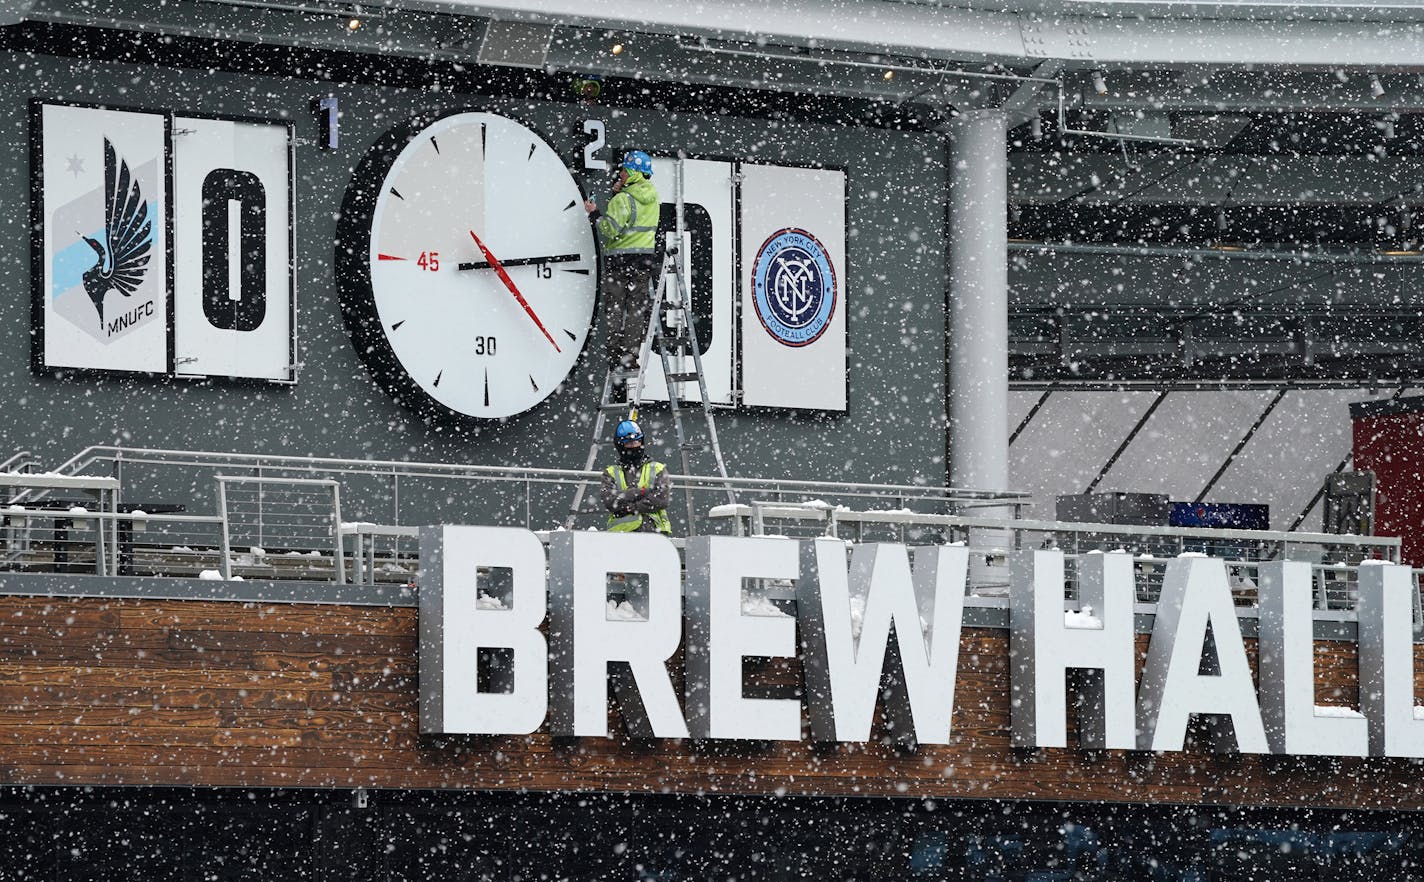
[1060, 38]
[516, 43]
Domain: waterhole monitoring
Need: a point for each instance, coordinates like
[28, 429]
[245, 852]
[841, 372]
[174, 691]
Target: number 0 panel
[232, 257]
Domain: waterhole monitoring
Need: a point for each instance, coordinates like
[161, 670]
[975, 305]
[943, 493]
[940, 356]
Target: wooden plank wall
[220, 693]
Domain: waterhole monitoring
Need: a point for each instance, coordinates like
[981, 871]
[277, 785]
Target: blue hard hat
[627, 432]
[638, 161]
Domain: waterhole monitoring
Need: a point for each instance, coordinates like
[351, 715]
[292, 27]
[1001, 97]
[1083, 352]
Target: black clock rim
[356, 295]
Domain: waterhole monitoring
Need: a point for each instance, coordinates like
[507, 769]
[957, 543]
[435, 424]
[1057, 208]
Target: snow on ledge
[1330, 710]
[1083, 620]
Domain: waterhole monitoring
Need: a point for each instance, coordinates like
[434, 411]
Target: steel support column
[978, 302]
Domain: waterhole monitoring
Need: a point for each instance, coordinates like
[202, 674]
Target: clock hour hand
[523, 261]
[513, 289]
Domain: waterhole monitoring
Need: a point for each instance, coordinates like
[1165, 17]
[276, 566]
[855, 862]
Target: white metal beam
[938, 32]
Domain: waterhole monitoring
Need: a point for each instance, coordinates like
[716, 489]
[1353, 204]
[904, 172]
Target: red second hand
[509, 283]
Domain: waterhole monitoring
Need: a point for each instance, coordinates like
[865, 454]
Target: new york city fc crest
[795, 287]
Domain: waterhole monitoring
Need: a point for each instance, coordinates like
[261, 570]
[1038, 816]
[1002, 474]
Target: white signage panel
[232, 255]
[708, 261]
[102, 287]
[793, 287]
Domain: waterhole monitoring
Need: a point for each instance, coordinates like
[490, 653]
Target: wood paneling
[209, 693]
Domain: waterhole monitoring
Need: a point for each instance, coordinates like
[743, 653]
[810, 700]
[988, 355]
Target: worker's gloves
[627, 500]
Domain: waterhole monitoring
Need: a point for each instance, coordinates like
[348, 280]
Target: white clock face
[483, 268]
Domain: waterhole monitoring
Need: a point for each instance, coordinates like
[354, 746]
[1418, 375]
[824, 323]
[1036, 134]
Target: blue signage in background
[1220, 515]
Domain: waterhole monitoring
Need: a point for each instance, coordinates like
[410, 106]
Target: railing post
[113, 523]
[225, 562]
[101, 551]
[261, 503]
[340, 559]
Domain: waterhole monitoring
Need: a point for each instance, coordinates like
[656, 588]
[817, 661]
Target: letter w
[845, 664]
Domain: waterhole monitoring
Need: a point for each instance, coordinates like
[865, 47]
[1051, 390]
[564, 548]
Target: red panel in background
[1389, 441]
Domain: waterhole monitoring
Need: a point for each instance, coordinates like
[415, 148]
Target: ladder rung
[698, 448]
[616, 406]
[682, 378]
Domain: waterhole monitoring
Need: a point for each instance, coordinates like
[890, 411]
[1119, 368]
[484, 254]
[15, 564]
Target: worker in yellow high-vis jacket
[627, 229]
[636, 489]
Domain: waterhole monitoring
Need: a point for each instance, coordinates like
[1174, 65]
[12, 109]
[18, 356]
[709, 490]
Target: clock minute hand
[509, 283]
[523, 261]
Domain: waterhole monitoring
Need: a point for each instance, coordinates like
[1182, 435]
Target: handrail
[18, 461]
[223, 481]
[756, 512]
[93, 453]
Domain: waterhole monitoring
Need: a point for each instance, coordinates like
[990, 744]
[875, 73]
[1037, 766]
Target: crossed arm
[634, 499]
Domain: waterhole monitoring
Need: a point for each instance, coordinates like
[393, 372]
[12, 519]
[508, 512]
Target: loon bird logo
[128, 232]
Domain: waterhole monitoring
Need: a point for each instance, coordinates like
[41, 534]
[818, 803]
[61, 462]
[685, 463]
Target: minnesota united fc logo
[108, 258]
[122, 259]
[794, 287]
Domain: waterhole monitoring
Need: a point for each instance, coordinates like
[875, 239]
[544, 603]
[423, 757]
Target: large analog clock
[467, 267]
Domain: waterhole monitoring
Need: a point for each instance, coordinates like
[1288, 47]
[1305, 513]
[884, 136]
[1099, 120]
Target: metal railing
[378, 491]
[297, 515]
[1335, 558]
[284, 517]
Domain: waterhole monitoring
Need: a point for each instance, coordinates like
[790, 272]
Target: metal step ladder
[672, 332]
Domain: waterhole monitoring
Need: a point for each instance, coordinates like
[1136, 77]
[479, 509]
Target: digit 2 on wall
[162, 243]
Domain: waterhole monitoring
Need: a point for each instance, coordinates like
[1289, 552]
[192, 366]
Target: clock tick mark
[572, 203]
[571, 334]
[532, 383]
[396, 193]
[388, 257]
[438, 376]
[582, 272]
[434, 143]
[487, 404]
[531, 153]
[396, 327]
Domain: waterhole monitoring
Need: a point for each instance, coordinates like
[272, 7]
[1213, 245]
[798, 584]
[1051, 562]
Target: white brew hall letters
[906, 639]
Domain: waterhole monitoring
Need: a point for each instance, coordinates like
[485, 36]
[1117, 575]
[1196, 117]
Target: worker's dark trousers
[626, 304]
